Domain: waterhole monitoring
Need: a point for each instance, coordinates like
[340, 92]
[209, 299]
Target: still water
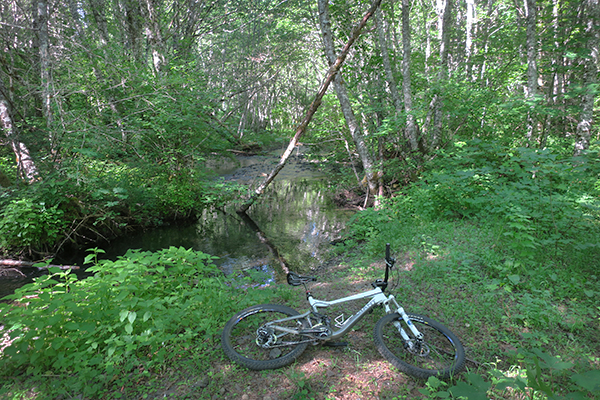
[295, 214]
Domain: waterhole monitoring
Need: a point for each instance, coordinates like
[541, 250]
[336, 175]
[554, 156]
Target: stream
[296, 214]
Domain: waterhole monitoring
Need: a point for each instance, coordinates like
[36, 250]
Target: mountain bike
[269, 336]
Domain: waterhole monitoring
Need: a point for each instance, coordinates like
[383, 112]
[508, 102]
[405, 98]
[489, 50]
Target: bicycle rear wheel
[440, 353]
[241, 340]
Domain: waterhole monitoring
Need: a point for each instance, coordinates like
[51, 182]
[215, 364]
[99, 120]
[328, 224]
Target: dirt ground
[355, 371]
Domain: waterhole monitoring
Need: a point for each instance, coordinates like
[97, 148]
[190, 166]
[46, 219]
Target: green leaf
[132, 316]
[589, 380]
[476, 389]
[72, 326]
[515, 279]
[147, 316]
[129, 329]
[123, 314]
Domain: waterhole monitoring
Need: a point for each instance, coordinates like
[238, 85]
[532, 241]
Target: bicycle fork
[408, 342]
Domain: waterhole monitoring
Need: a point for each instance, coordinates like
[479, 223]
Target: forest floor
[354, 371]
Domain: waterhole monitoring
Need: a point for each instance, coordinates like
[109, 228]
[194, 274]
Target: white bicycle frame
[377, 298]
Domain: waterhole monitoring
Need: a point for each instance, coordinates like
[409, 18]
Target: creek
[295, 215]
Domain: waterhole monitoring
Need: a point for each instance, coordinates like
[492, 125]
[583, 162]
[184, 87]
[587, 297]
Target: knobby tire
[240, 333]
[441, 355]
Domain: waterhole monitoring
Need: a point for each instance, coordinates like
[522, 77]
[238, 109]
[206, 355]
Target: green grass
[515, 316]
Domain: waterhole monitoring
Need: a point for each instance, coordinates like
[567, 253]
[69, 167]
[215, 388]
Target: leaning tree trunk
[25, 165]
[331, 74]
[371, 175]
[584, 127]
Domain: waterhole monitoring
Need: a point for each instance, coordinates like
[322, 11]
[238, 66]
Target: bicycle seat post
[308, 293]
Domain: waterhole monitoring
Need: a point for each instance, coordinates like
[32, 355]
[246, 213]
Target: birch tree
[532, 71]
[411, 127]
[444, 8]
[26, 168]
[331, 75]
[590, 81]
[409, 135]
[44, 59]
[469, 35]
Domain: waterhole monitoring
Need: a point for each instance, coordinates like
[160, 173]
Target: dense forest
[446, 117]
[109, 109]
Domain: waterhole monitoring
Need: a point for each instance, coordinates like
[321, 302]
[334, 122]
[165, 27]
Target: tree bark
[4, 263]
[153, 33]
[411, 127]
[532, 71]
[410, 136]
[25, 166]
[469, 36]
[355, 130]
[44, 57]
[97, 8]
[444, 11]
[584, 126]
[331, 74]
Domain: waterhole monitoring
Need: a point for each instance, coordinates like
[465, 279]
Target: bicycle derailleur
[321, 330]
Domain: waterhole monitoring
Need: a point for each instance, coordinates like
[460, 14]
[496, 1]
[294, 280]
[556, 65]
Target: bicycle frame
[377, 298]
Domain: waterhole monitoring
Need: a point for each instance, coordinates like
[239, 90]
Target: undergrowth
[135, 318]
[505, 251]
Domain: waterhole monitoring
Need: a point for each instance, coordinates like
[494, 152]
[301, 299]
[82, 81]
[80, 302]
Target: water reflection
[295, 215]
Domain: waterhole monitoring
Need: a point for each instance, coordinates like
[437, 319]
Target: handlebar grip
[387, 252]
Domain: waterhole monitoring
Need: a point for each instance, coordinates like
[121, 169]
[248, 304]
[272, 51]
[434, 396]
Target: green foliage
[27, 223]
[502, 245]
[542, 203]
[540, 374]
[94, 198]
[139, 312]
[303, 389]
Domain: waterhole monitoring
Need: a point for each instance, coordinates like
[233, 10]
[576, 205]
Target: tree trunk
[469, 36]
[155, 41]
[44, 57]
[584, 126]
[411, 127]
[133, 24]
[444, 12]
[25, 166]
[331, 74]
[532, 72]
[359, 140]
[389, 77]
[97, 8]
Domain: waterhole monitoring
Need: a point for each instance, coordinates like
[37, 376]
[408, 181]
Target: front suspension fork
[398, 309]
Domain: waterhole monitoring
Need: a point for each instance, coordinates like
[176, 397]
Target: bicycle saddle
[296, 280]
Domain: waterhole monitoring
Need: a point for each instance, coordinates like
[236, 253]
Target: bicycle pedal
[335, 344]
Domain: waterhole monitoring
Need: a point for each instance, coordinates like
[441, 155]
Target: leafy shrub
[138, 312]
[544, 203]
[89, 199]
[541, 375]
[27, 223]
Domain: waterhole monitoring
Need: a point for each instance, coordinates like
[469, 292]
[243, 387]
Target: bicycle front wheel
[439, 353]
[246, 341]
